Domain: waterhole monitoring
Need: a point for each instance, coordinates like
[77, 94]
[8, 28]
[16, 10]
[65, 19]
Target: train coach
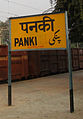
[30, 64]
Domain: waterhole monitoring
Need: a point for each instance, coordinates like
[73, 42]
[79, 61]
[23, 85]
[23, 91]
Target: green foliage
[75, 17]
[51, 2]
[4, 30]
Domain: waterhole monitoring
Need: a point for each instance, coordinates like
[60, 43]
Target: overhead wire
[25, 6]
[7, 13]
[21, 4]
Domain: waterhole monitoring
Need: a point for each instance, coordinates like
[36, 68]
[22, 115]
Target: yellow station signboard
[38, 32]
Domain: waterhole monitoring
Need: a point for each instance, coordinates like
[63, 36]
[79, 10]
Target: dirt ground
[43, 98]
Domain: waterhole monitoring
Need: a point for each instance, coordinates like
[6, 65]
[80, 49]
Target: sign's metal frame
[35, 48]
[69, 66]
[69, 61]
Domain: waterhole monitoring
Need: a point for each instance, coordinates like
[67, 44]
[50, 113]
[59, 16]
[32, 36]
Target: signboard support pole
[70, 69]
[9, 75]
[70, 81]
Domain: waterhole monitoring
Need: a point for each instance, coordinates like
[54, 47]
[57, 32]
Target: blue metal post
[9, 69]
[70, 67]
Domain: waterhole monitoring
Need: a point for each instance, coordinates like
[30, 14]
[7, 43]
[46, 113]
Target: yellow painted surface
[37, 32]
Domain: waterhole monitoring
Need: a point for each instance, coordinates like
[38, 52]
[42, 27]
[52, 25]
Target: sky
[12, 8]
